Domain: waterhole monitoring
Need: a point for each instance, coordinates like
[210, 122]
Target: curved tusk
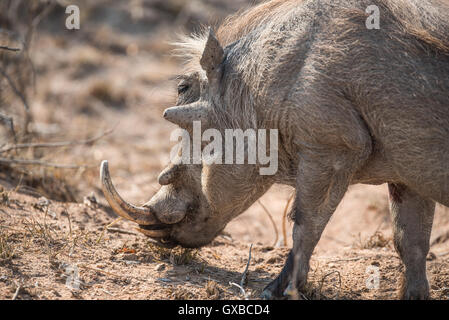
[156, 233]
[142, 216]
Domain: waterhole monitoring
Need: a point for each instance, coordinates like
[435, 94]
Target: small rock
[90, 200]
[375, 263]
[130, 257]
[431, 256]
[274, 258]
[227, 237]
[160, 267]
[212, 290]
[43, 202]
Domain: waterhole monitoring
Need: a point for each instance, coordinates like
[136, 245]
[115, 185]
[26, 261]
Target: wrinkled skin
[192, 207]
[341, 121]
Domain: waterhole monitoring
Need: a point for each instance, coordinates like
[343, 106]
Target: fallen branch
[43, 163]
[272, 222]
[57, 144]
[9, 48]
[118, 230]
[347, 260]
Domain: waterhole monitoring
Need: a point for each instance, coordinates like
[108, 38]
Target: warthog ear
[184, 116]
[213, 56]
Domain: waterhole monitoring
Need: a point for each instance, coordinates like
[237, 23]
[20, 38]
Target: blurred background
[116, 73]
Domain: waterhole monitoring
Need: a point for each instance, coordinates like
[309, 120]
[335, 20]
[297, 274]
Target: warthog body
[352, 105]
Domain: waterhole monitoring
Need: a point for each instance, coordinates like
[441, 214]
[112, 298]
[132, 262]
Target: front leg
[322, 181]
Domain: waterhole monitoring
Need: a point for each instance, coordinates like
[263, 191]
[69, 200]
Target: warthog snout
[178, 214]
[156, 217]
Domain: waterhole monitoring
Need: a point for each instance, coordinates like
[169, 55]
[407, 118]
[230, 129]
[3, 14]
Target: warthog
[351, 105]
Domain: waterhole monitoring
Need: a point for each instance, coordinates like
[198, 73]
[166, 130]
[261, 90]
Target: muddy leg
[412, 223]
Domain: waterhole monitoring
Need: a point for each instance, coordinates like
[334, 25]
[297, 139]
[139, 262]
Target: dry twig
[272, 222]
[284, 219]
[242, 290]
[118, 230]
[324, 278]
[16, 293]
[57, 144]
[9, 48]
[16, 91]
[245, 273]
[8, 121]
[43, 163]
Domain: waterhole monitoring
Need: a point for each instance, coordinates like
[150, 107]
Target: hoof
[267, 295]
[421, 294]
[416, 290]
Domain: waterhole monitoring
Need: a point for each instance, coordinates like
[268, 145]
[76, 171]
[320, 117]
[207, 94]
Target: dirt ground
[60, 240]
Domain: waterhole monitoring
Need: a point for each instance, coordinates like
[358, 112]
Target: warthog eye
[183, 88]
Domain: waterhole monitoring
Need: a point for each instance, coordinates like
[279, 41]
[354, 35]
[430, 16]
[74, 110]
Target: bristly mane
[190, 47]
[426, 23]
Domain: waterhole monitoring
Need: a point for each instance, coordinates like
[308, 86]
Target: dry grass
[177, 256]
[376, 240]
[7, 251]
[212, 290]
[110, 95]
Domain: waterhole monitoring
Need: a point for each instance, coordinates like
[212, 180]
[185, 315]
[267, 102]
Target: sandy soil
[60, 240]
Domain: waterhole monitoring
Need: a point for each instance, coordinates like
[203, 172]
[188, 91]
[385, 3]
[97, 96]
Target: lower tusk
[161, 233]
[142, 216]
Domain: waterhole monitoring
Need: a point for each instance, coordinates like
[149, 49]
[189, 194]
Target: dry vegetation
[73, 98]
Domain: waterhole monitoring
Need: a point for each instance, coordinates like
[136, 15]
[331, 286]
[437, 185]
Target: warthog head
[196, 201]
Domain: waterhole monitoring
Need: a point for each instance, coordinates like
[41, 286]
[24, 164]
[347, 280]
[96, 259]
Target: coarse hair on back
[426, 21]
[189, 48]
